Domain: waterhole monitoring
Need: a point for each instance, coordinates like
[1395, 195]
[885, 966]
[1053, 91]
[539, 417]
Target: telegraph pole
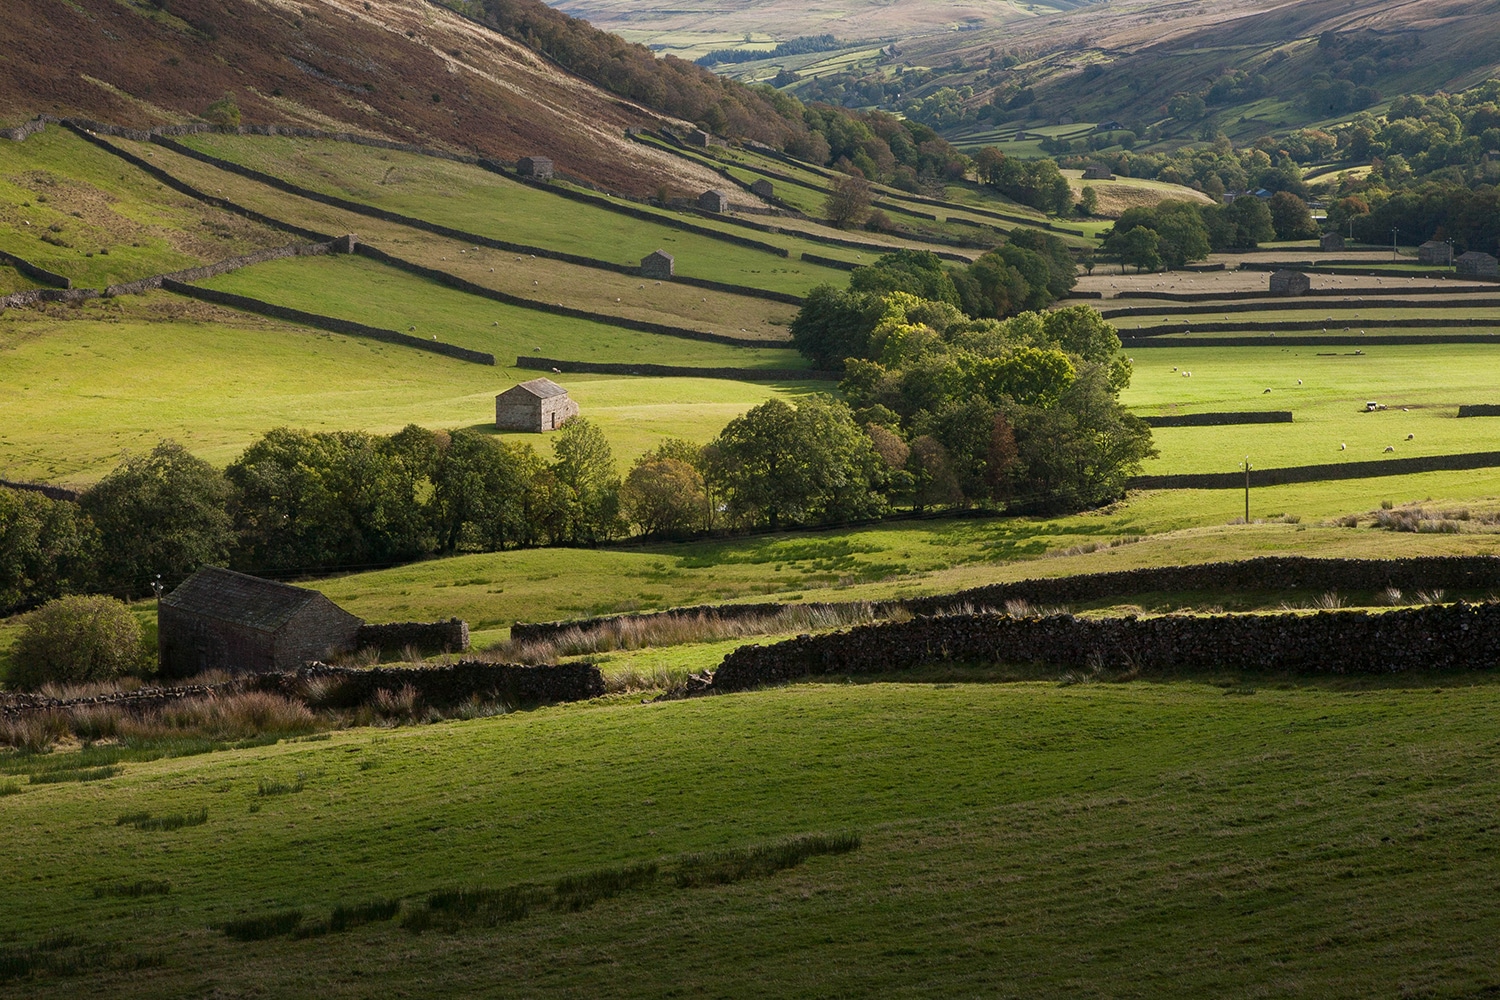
[1247, 489]
[1394, 231]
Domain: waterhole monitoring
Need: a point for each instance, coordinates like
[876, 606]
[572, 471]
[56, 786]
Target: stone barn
[1478, 265]
[1435, 252]
[762, 188]
[218, 619]
[657, 265]
[1331, 241]
[1097, 172]
[713, 201]
[535, 167]
[1290, 283]
[538, 405]
[697, 137]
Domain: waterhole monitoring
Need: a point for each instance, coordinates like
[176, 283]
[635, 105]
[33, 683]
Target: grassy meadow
[1187, 838]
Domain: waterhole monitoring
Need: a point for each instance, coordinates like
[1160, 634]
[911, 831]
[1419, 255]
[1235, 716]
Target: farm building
[538, 405]
[657, 264]
[697, 137]
[1435, 252]
[713, 201]
[1285, 282]
[1020, 136]
[762, 188]
[1331, 241]
[1479, 265]
[1097, 172]
[538, 167]
[218, 619]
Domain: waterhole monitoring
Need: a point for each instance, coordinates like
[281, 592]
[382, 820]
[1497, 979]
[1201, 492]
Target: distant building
[658, 264]
[538, 405]
[1285, 282]
[697, 137]
[1435, 252]
[1478, 265]
[218, 619]
[1109, 126]
[1020, 136]
[713, 201]
[1331, 241]
[762, 188]
[536, 167]
[1097, 172]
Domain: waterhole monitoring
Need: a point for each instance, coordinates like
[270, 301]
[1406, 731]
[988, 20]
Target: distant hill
[403, 69]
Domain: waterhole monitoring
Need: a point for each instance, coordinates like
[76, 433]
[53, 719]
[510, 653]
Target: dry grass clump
[1422, 520]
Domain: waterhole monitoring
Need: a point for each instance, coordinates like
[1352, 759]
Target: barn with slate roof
[1435, 252]
[218, 619]
[713, 201]
[1287, 282]
[536, 167]
[1478, 264]
[538, 405]
[658, 264]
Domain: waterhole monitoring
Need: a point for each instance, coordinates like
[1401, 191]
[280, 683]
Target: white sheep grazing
[1410, 436]
[1264, 391]
[1299, 381]
[1342, 446]
[1390, 447]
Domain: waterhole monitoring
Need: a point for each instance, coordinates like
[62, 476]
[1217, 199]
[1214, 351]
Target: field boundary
[1219, 419]
[1298, 304]
[320, 322]
[1317, 293]
[1300, 325]
[1330, 340]
[677, 371]
[35, 272]
[1479, 410]
[1369, 469]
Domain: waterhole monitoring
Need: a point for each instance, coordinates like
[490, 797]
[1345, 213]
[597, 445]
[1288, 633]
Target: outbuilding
[1331, 241]
[1436, 252]
[538, 405]
[536, 167]
[762, 188]
[1288, 282]
[218, 619]
[713, 201]
[1097, 172]
[1478, 264]
[658, 265]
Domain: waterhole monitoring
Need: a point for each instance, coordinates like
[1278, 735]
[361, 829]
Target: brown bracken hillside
[402, 69]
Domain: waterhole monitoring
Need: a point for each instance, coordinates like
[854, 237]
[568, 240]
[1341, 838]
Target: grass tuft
[579, 892]
[264, 926]
[133, 890]
[727, 867]
[271, 786]
[78, 774]
[176, 821]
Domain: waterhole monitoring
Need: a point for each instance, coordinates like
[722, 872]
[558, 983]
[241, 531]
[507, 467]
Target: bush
[76, 639]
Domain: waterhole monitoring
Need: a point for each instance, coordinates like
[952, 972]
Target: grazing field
[470, 199]
[77, 211]
[369, 292]
[84, 388]
[1021, 839]
[1115, 196]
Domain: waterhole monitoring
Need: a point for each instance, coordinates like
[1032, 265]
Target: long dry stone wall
[1459, 637]
[1303, 304]
[1479, 410]
[1266, 574]
[451, 636]
[346, 687]
[203, 273]
[1220, 419]
[678, 371]
[34, 272]
[1302, 325]
[1391, 290]
[1318, 473]
[50, 492]
[1321, 340]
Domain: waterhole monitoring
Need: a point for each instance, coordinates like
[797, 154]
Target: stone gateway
[218, 619]
[538, 405]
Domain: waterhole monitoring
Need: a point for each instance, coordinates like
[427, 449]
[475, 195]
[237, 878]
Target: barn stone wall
[451, 636]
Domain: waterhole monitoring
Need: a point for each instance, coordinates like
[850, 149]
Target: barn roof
[541, 388]
[1287, 272]
[1475, 255]
[264, 605]
[662, 254]
[1434, 243]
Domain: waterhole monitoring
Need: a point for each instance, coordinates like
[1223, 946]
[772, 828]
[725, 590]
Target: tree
[917, 272]
[74, 640]
[1088, 202]
[664, 496]
[849, 202]
[1138, 247]
[586, 495]
[164, 513]
[47, 548]
[835, 324]
[484, 494]
[1290, 218]
[224, 112]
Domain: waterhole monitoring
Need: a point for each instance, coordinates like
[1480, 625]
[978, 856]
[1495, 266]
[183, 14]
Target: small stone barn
[657, 265]
[697, 137]
[713, 201]
[218, 619]
[1285, 282]
[537, 167]
[763, 189]
[1097, 172]
[1478, 265]
[1331, 241]
[1435, 252]
[538, 405]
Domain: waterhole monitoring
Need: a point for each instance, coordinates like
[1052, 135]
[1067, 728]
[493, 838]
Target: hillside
[402, 69]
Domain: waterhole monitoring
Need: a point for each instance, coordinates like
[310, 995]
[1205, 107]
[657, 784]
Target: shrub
[76, 639]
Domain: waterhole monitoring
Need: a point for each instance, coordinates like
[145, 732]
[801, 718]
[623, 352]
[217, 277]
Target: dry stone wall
[1220, 419]
[451, 636]
[678, 371]
[34, 272]
[1370, 469]
[1459, 637]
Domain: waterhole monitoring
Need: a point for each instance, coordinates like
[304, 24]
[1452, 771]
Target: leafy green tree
[47, 548]
[165, 512]
[1088, 202]
[1290, 217]
[665, 496]
[834, 324]
[224, 111]
[74, 640]
[917, 272]
[1138, 248]
[848, 201]
[485, 494]
[586, 495]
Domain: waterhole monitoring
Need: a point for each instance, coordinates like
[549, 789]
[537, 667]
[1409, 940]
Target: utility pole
[1394, 231]
[1247, 489]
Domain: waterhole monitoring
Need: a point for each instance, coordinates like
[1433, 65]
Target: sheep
[1410, 436]
[1299, 381]
[1264, 391]
[1342, 446]
[1390, 447]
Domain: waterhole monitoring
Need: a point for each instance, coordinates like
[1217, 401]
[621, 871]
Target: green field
[474, 200]
[1328, 407]
[1170, 839]
[82, 390]
[78, 211]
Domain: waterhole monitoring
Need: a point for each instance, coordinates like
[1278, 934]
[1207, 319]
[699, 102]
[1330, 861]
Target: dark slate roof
[1475, 255]
[541, 388]
[662, 254]
[233, 597]
[1434, 243]
[1286, 272]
